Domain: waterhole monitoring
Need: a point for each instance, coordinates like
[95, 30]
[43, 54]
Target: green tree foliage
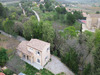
[87, 69]
[13, 15]
[69, 32]
[41, 6]
[61, 10]
[3, 11]
[42, 30]
[8, 26]
[3, 56]
[8, 72]
[97, 38]
[47, 32]
[70, 19]
[97, 53]
[47, 5]
[88, 33]
[71, 60]
[97, 61]
[78, 15]
[30, 28]
[0, 23]
[97, 12]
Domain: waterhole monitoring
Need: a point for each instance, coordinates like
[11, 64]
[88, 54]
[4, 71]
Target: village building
[91, 23]
[63, 5]
[35, 52]
[41, 0]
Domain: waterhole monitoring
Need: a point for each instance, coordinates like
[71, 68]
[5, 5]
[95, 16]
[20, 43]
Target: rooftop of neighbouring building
[2, 73]
[94, 15]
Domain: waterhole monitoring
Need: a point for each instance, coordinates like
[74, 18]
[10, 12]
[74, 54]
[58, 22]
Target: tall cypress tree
[97, 61]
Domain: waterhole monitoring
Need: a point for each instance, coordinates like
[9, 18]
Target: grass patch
[8, 72]
[62, 73]
[30, 70]
[45, 72]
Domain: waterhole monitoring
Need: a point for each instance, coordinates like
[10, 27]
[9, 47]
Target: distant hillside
[8, 0]
[84, 1]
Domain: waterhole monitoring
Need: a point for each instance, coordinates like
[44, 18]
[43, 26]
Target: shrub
[8, 72]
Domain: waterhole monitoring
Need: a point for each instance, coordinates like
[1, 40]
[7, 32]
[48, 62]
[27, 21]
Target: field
[8, 43]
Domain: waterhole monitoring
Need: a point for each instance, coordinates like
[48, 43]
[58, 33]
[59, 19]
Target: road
[20, 5]
[36, 15]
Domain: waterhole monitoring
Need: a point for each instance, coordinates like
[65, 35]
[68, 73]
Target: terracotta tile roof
[2, 73]
[94, 15]
[23, 47]
[37, 44]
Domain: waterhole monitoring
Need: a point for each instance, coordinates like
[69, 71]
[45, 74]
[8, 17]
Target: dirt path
[56, 66]
[19, 38]
[20, 5]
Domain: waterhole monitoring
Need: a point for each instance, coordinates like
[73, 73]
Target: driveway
[56, 66]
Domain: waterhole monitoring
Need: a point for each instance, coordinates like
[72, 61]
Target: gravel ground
[56, 66]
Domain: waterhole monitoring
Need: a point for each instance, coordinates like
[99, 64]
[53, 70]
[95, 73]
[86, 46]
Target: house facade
[93, 21]
[35, 52]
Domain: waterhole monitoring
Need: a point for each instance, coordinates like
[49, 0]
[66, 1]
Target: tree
[41, 6]
[71, 60]
[97, 61]
[0, 23]
[97, 52]
[87, 69]
[70, 19]
[58, 10]
[97, 12]
[18, 28]
[13, 15]
[3, 56]
[78, 15]
[30, 28]
[48, 32]
[47, 5]
[1, 10]
[97, 38]
[8, 26]
[69, 32]
[61, 10]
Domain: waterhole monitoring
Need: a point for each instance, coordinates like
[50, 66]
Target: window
[38, 60]
[31, 48]
[48, 49]
[38, 53]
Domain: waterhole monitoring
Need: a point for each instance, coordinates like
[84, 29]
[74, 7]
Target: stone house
[35, 52]
[93, 21]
